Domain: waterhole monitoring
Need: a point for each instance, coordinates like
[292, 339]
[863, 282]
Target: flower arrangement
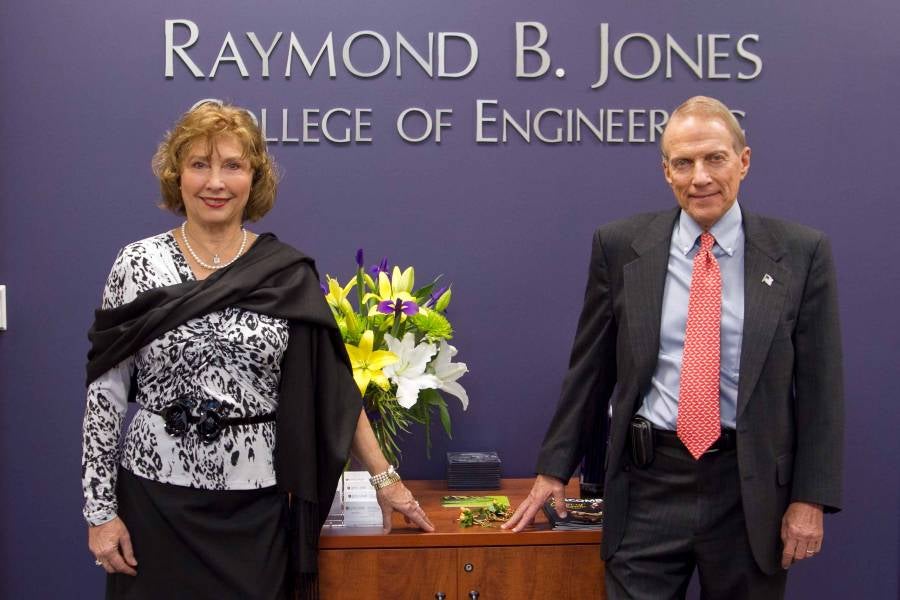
[397, 340]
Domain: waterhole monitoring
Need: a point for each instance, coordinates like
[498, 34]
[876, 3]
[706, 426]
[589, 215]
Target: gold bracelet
[382, 480]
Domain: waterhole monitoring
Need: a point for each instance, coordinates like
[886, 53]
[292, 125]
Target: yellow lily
[368, 363]
[402, 282]
[396, 287]
[337, 295]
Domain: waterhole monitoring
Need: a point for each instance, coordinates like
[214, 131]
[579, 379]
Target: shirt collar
[726, 230]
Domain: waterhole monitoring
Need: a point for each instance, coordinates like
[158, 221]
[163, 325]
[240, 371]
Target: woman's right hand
[111, 546]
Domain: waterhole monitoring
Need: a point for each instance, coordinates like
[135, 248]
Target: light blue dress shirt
[660, 403]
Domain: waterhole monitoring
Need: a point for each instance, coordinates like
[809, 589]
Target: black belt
[209, 424]
[663, 437]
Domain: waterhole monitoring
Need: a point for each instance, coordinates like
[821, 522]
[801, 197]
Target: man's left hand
[801, 532]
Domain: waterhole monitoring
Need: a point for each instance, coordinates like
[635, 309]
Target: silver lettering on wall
[339, 125]
[172, 49]
[555, 125]
[327, 50]
[264, 54]
[523, 49]
[454, 52]
[431, 126]
[493, 124]
[233, 56]
[633, 56]
[368, 54]
[715, 48]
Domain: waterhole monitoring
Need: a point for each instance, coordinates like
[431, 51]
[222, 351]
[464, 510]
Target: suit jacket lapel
[765, 287]
[644, 282]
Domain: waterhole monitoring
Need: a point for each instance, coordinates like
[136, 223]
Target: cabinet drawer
[413, 574]
[568, 572]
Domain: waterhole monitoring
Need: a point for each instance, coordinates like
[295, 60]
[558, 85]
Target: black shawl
[319, 402]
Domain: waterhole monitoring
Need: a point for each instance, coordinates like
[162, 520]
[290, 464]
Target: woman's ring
[98, 562]
[810, 551]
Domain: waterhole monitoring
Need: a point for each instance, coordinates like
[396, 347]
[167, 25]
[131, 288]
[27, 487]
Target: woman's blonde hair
[208, 120]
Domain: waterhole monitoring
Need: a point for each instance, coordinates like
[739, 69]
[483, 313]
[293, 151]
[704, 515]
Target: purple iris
[381, 267]
[359, 258]
[407, 307]
[435, 295]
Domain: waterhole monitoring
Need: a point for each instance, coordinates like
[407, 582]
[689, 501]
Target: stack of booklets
[355, 503]
[583, 513]
[360, 503]
[473, 471]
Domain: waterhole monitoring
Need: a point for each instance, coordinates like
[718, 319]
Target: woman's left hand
[398, 497]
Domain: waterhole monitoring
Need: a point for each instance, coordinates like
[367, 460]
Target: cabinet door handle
[468, 567]
[440, 596]
[473, 595]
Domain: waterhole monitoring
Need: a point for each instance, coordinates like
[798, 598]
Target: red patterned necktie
[698, 400]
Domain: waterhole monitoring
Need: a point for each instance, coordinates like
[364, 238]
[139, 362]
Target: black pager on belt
[641, 442]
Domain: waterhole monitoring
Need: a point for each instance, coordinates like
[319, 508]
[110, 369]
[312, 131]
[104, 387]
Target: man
[718, 331]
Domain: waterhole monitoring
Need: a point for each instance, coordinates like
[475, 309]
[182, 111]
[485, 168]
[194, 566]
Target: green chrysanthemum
[433, 324]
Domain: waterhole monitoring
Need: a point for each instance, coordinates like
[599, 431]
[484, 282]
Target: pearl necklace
[216, 260]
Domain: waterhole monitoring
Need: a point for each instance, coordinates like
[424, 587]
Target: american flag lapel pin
[767, 279]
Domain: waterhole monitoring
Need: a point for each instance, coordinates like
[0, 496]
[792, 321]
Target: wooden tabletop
[448, 532]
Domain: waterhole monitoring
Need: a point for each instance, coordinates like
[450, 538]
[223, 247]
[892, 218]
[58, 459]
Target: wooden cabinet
[364, 564]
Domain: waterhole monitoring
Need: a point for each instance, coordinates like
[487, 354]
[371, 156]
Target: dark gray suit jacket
[790, 393]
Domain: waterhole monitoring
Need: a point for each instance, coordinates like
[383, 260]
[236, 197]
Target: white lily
[408, 373]
[448, 372]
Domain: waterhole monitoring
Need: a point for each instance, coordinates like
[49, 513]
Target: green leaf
[424, 292]
[466, 518]
[445, 417]
[427, 435]
[390, 426]
[429, 397]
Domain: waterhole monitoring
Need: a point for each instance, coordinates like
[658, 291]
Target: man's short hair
[710, 108]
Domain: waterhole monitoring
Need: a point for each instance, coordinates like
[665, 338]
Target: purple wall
[84, 101]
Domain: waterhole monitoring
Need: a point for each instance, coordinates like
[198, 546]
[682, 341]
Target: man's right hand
[111, 546]
[544, 487]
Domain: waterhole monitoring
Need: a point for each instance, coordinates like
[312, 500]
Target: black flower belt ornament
[210, 422]
[178, 417]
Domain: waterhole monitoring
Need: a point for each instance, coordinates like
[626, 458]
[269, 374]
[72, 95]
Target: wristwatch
[382, 480]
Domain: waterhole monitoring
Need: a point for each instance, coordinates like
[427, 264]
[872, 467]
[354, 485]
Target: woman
[223, 339]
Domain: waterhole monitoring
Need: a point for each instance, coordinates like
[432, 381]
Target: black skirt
[196, 544]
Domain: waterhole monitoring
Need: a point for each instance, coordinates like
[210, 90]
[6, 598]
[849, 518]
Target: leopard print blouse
[232, 356]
